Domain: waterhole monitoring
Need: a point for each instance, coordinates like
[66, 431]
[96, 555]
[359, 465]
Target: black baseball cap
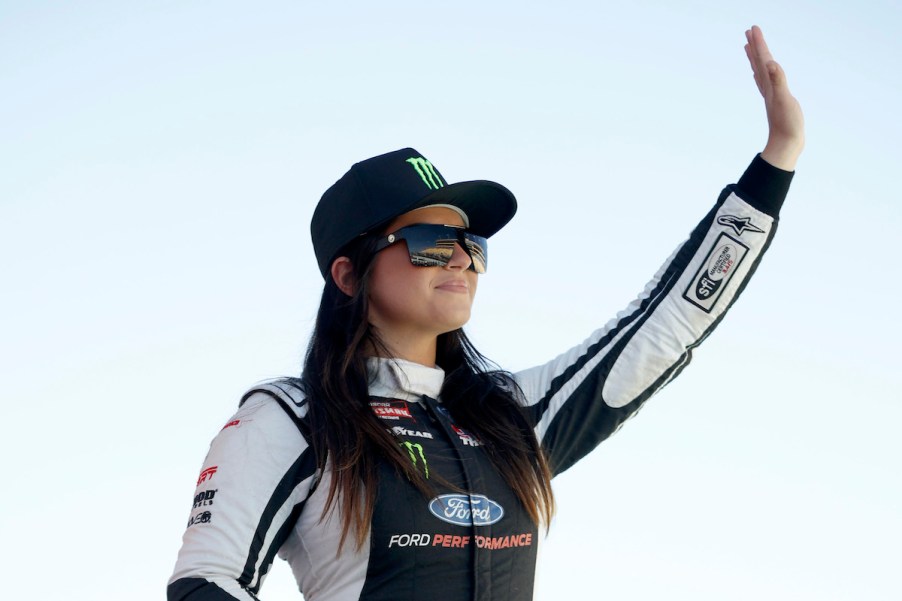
[375, 191]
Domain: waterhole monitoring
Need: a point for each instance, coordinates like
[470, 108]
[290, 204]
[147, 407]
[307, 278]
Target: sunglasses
[432, 245]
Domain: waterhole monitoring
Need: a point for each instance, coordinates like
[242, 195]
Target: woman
[399, 466]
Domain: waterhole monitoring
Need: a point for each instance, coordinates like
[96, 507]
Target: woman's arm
[582, 396]
[253, 483]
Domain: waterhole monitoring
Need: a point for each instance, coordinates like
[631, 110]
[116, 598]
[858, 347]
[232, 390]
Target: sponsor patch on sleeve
[207, 474]
[200, 518]
[715, 272]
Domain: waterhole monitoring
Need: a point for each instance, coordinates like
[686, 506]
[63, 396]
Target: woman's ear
[343, 275]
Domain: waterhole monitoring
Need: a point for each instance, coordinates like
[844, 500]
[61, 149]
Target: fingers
[761, 60]
[748, 53]
[756, 39]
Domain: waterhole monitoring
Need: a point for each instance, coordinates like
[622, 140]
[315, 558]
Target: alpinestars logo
[739, 224]
[426, 172]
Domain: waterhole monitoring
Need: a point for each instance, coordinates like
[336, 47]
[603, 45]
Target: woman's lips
[454, 286]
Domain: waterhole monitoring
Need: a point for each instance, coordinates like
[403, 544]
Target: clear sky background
[159, 164]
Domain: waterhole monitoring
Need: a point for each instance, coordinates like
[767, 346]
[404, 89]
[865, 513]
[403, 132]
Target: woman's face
[411, 303]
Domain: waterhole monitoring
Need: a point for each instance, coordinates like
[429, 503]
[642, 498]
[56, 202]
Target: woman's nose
[460, 259]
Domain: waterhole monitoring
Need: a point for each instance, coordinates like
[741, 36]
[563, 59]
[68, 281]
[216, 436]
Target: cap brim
[489, 205]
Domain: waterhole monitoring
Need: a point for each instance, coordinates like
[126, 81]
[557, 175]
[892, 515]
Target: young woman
[399, 465]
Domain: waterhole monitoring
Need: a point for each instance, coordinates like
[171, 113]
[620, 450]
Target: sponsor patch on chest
[402, 431]
[466, 510]
[715, 273]
[391, 409]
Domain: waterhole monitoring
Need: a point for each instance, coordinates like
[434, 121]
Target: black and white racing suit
[258, 492]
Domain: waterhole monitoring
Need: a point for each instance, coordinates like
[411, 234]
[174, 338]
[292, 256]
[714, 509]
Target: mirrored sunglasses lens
[434, 256]
[433, 246]
[477, 254]
[477, 246]
[429, 247]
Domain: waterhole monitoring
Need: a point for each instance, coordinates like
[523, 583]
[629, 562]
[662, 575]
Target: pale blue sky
[160, 163]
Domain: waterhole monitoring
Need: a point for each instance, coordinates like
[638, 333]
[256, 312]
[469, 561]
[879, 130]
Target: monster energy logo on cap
[427, 172]
[411, 447]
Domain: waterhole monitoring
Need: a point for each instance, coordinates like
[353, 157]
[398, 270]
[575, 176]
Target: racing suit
[259, 492]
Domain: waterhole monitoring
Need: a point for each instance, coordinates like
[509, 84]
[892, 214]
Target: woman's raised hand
[786, 125]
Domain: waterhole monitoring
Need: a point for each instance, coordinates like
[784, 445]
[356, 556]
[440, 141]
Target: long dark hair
[346, 433]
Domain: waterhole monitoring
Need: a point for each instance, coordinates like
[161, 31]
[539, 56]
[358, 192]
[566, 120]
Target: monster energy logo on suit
[411, 447]
[427, 172]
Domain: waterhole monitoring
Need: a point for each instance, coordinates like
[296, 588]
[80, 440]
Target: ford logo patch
[465, 510]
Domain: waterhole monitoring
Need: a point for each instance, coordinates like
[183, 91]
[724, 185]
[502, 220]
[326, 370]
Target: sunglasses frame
[417, 243]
